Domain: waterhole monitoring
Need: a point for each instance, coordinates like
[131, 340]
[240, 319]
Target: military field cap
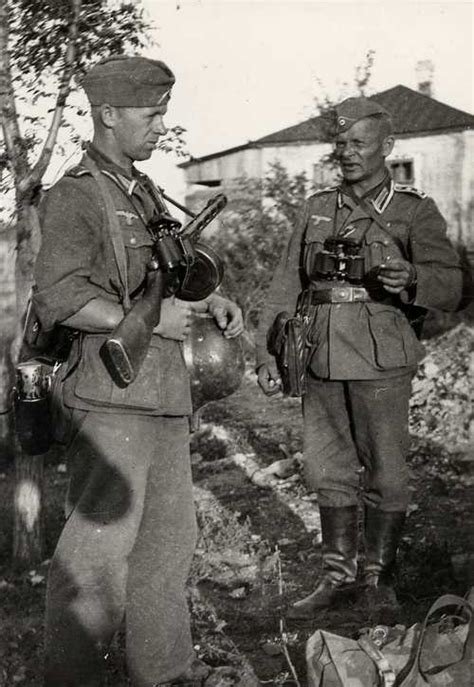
[352, 110]
[129, 82]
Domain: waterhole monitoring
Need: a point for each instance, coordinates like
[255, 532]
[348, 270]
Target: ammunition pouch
[287, 341]
[52, 346]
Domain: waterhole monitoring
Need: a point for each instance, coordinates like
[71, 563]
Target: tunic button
[133, 240]
[385, 242]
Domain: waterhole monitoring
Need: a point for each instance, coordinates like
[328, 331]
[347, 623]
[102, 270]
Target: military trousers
[355, 441]
[125, 551]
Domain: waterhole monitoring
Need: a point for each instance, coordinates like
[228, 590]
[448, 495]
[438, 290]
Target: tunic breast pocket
[138, 245]
[314, 239]
[381, 248]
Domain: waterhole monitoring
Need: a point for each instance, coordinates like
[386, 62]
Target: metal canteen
[32, 407]
[203, 277]
[215, 364]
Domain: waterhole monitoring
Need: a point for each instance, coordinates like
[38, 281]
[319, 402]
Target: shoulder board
[77, 171]
[326, 189]
[403, 188]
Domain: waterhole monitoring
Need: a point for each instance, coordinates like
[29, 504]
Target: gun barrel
[195, 227]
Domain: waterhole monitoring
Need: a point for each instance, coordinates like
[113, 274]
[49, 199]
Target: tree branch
[17, 159]
[36, 174]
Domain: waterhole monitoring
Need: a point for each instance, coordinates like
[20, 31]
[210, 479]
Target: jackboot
[383, 530]
[339, 534]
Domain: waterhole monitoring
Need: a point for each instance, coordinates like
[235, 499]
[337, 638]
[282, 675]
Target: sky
[245, 69]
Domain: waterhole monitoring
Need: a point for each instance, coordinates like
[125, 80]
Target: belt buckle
[342, 294]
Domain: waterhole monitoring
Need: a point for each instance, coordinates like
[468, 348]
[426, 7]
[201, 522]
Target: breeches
[356, 436]
[125, 550]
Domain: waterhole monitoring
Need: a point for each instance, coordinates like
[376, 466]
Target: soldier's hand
[269, 379]
[175, 320]
[227, 314]
[396, 275]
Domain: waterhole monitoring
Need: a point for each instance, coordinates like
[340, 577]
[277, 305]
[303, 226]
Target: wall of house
[298, 158]
[231, 166]
[444, 169]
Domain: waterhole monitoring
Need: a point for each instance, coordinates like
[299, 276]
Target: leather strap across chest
[113, 227]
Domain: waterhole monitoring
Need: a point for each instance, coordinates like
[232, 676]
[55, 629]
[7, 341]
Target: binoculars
[340, 259]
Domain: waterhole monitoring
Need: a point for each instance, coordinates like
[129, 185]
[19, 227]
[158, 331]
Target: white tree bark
[28, 492]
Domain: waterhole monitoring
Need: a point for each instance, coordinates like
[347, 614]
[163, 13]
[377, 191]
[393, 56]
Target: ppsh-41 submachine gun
[181, 265]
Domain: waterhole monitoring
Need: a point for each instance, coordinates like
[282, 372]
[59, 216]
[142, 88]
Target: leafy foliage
[253, 231]
[39, 31]
[38, 44]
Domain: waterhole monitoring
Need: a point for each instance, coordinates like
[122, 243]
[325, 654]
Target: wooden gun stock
[124, 351]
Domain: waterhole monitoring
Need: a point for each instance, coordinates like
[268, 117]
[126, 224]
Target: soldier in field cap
[353, 110]
[129, 537]
[129, 82]
[368, 258]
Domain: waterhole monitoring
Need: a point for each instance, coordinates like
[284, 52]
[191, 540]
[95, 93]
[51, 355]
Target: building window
[402, 171]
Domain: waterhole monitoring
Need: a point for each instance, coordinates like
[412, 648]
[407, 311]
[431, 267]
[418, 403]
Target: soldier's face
[137, 130]
[362, 149]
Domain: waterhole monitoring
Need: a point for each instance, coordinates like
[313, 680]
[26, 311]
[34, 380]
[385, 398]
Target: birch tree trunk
[28, 491]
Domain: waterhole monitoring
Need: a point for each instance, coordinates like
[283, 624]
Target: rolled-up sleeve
[71, 220]
[438, 269]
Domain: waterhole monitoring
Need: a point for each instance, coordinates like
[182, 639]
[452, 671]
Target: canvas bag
[426, 654]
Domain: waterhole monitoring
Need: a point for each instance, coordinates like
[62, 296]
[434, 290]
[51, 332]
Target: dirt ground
[259, 547]
[433, 554]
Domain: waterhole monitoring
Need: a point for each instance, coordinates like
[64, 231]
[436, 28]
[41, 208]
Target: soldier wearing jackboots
[368, 258]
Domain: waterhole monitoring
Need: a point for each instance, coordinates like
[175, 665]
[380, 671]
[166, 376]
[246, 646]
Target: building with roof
[434, 151]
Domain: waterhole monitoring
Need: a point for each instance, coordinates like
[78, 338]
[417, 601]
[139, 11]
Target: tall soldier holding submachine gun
[115, 268]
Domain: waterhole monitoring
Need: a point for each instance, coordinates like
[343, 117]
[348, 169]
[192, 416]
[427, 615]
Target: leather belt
[340, 294]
